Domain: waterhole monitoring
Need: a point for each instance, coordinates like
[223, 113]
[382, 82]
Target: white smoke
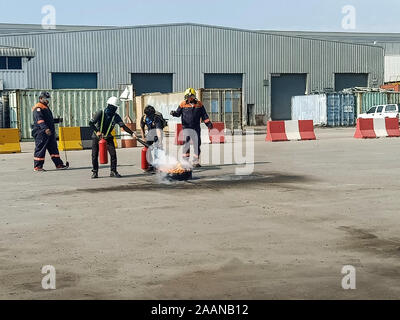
[168, 162]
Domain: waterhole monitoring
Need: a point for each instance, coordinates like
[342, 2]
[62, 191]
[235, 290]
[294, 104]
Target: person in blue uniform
[192, 112]
[43, 131]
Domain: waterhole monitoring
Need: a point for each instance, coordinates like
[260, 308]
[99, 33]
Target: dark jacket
[192, 114]
[151, 123]
[109, 122]
[42, 119]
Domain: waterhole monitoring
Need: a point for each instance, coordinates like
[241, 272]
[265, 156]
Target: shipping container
[368, 99]
[311, 107]
[76, 106]
[4, 115]
[329, 109]
[224, 105]
[365, 100]
[393, 97]
[341, 109]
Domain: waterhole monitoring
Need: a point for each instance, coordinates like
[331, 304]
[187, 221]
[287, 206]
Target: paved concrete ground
[284, 232]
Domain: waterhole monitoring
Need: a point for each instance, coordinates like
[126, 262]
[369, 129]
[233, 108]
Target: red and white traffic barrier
[290, 130]
[217, 133]
[377, 128]
[179, 140]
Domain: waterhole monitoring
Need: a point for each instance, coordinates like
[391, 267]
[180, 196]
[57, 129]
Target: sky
[309, 15]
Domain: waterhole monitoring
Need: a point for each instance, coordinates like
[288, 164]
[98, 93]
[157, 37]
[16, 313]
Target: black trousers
[44, 143]
[111, 151]
[193, 135]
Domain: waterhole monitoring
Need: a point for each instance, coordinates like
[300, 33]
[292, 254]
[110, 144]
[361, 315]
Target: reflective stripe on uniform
[55, 155]
[39, 159]
[101, 125]
[40, 121]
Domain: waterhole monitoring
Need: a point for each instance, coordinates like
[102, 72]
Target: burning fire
[178, 169]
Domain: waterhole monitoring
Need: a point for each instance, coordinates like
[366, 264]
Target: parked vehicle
[381, 111]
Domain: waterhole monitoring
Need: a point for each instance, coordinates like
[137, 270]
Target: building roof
[11, 28]
[360, 37]
[84, 29]
[9, 51]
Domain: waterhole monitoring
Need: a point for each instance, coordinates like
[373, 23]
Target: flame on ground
[178, 169]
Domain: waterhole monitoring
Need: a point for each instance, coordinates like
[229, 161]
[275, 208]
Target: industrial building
[390, 42]
[268, 67]
[13, 67]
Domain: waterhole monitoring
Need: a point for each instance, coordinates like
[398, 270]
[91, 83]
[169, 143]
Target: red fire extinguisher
[103, 151]
[145, 164]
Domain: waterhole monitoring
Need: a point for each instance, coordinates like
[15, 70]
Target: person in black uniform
[44, 133]
[155, 125]
[102, 125]
[192, 112]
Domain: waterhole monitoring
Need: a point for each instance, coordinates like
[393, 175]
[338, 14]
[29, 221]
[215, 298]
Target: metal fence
[224, 105]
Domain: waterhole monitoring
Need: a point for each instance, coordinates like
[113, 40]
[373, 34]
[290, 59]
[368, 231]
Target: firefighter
[155, 124]
[192, 112]
[102, 125]
[44, 133]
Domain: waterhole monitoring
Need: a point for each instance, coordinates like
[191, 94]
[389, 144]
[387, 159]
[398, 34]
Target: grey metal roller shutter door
[283, 88]
[152, 82]
[350, 80]
[223, 80]
[74, 80]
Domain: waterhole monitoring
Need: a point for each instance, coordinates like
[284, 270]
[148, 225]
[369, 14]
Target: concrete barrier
[69, 138]
[9, 141]
[377, 128]
[290, 130]
[77, 138]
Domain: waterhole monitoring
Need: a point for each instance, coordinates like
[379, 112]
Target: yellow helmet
[190, 92]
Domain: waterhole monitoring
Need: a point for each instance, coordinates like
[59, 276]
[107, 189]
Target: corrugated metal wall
[76, 106]
[394, 97]
[116, 53]
[392, 68]
[331, 109]
[15, 79]
[365, 100]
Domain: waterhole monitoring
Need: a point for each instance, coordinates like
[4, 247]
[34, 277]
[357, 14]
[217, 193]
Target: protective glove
[210, 125]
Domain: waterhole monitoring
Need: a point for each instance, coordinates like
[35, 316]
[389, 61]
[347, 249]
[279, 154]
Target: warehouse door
[350, 80]
[283, 88]
[152, 82]
[223, 80]
[71, 80]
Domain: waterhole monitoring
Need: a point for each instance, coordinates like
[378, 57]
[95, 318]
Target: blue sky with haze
[314, 15]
